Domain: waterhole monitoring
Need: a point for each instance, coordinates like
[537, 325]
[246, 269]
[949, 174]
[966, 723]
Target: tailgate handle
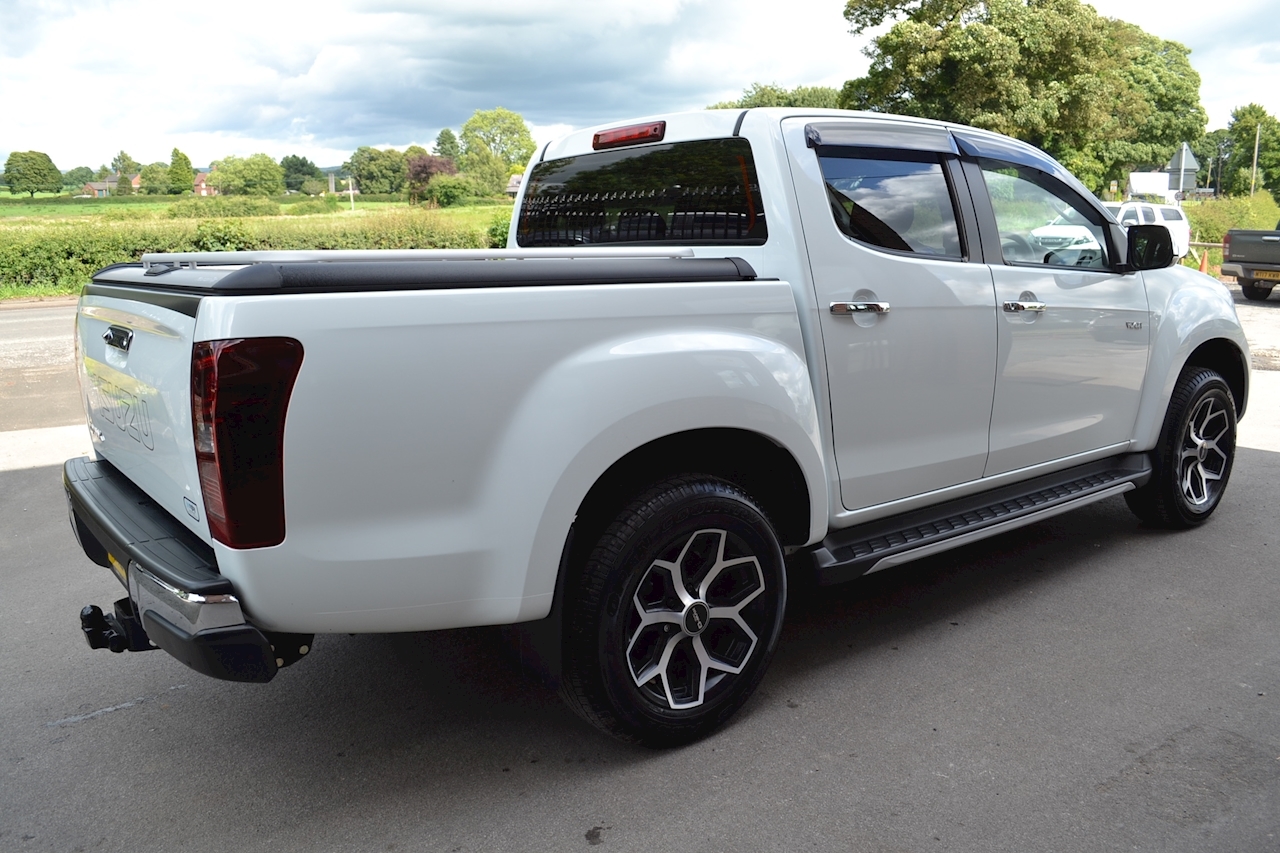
[1271, 238]
[118, 337]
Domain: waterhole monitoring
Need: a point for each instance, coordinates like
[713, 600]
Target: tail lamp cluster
[239, 396]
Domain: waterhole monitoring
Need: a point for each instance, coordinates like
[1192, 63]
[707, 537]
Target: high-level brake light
[239, 396]
[630, 135]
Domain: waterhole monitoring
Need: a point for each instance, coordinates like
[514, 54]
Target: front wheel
[672, 619]
[1253, 291]
[1194, 456]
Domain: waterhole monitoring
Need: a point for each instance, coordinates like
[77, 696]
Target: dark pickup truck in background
[1253, 257]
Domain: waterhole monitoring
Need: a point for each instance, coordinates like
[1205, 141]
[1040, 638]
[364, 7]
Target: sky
[83, 79]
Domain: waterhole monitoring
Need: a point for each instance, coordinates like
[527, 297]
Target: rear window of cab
[703, 192]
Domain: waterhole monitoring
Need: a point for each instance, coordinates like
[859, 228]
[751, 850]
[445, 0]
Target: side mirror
[1150, 247]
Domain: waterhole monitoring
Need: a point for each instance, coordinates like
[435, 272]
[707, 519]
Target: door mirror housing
[1149, 247]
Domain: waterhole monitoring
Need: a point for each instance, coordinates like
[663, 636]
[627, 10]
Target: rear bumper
[1240, 270]
[185, 606]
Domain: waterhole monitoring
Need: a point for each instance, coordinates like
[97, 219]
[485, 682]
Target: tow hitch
[120, 631]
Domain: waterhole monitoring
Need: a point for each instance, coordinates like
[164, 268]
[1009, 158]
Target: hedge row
[1215, 217]
[61, 256]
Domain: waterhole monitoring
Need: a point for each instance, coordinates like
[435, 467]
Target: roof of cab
[717, 124]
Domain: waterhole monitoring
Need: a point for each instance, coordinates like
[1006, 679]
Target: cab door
[907, 310]
[1073, 331]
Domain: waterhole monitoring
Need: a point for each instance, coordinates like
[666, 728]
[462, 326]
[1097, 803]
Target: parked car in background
[1067, 239]
[1142, 213]
[1253, 257]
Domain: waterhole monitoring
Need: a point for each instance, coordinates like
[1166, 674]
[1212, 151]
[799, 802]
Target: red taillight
[1226, 245]
[239, 395]
[630, 135]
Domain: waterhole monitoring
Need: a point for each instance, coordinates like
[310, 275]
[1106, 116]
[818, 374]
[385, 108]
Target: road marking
[36, 448]
[80, 718]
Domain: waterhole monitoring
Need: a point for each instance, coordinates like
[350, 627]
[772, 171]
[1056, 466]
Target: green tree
[104, 172]
[500, 132]
[314, 186]
[377, 170]
[415, 151]
[124, 185]
[298, 170]
[77, 177]
[123, 163]
[773, 95]
[154, 179]
[257, 174]
[1099, 94]
[1249, 123]
[486, 170]
[447, 145]
[31, 172]
[181, 176]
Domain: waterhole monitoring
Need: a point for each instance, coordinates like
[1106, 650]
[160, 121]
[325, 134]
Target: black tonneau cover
[345, 276]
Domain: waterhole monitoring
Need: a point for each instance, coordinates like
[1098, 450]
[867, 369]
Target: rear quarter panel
[439, 443]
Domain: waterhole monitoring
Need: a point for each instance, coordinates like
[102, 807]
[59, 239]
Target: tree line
[1100, 95]
[492, 146]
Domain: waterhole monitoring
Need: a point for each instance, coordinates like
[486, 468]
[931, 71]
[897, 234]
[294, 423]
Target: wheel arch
[1194, 322]
[1226, 359]
[766, 471]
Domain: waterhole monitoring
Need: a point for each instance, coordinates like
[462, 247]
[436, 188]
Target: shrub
[448, 190]
[312, 206]
[223, 235]
[210, 207]
[60, 256]
[499, 227]
[1213, 218]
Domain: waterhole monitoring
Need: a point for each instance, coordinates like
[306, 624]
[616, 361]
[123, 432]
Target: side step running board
[856, 551]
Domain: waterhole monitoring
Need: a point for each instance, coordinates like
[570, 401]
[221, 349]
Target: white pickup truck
[722, 346]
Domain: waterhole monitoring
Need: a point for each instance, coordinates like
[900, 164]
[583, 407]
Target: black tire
[1253, 291]
[625, 619]
[1194, 456]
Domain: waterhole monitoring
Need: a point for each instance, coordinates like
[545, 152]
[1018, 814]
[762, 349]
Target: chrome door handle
[1015, 306]
[845, 308]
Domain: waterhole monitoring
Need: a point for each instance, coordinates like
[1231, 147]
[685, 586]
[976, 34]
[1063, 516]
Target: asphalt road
[1083, 684]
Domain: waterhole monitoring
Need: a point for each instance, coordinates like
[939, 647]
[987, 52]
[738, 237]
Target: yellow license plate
[1273, 275]
[121, 572]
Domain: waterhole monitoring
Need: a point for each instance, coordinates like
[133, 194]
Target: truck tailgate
[1254, 247]
[134, 359]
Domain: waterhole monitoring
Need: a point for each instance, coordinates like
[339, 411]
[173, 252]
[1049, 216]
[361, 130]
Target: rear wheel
[672, 619]
[1194, 456]
[1253, 291]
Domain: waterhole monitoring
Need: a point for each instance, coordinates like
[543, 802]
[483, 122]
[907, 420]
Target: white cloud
[321, 77]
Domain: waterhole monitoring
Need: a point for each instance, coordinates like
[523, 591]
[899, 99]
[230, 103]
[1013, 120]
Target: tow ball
[119, 631]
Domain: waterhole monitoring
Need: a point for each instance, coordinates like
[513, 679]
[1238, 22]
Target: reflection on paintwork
[121, 401]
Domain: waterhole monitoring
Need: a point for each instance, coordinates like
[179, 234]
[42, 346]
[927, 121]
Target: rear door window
[897, 200]
[1149, 215]
[1171, 214]
[703, 192]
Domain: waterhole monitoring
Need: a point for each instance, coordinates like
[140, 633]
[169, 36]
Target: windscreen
[703, 192]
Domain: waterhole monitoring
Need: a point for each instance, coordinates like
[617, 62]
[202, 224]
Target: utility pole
[1182, 170]
[1253, 181]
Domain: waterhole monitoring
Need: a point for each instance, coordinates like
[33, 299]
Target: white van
[1142, 213]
